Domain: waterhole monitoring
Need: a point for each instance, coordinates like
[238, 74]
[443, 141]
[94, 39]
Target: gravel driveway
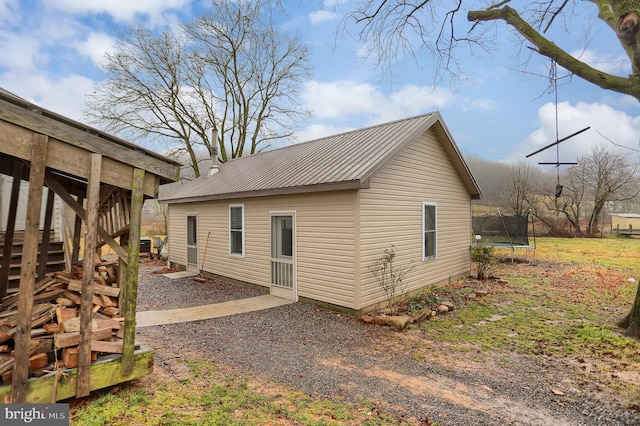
[333, 356]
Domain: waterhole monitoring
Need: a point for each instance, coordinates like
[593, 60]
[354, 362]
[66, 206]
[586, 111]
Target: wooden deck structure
[105, 180]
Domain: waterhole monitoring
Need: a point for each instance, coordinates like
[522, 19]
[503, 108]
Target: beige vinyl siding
[391, 213]
[177, 233]
[324, 241]
[622, 222]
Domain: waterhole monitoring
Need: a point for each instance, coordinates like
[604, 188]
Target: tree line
[572, 203]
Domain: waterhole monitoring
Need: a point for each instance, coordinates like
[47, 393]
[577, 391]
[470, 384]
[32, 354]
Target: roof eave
[302, 189]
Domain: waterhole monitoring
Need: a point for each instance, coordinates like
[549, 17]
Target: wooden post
[76, 207]
[28, 268]
[46, 236]
[77, 229]
[88, 266]
[11, 225]
[131, 294]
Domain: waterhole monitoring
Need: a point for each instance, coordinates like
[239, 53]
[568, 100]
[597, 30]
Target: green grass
[564, 305]
[212, 396]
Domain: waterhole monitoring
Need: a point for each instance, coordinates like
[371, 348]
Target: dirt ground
[419, 379]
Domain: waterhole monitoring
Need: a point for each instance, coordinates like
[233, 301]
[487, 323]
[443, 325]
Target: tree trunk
[631, 322]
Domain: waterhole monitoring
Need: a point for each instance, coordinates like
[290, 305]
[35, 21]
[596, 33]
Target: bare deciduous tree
[602, 176]
[518, 188]
[392, 28]
[231, 69]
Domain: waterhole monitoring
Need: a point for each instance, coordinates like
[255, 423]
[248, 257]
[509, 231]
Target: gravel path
[334, 356]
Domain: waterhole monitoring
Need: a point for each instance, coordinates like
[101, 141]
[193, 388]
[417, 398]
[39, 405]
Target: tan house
[307, 221]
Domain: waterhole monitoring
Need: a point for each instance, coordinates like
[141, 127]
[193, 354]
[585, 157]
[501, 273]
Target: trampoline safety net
[501, 230]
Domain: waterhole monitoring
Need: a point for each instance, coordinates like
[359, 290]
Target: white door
[192, 243]
[283, 249]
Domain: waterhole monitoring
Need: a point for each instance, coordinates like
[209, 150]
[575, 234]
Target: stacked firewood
[55, 333]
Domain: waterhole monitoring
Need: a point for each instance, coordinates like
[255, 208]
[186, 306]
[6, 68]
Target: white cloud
[335, 103]
[317, 131]
[9, 11]
[322, 16]
[478, 104]
[19, 52]
[341, 99]
[96, 46]
[604, 61]
[121, 10]
[604, 121]
[63, 96]
[345, 99]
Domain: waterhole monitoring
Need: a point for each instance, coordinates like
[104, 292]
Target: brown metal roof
[345, 161]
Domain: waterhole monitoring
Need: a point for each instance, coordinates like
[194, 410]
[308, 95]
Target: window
[236, 229]
[428, 231]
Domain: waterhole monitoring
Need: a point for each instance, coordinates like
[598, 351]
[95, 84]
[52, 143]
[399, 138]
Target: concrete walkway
[216, 310]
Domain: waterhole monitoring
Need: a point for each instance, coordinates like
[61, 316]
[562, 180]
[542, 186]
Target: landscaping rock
[443, 309]
[399, 322]
[421, 315]
[448, 304]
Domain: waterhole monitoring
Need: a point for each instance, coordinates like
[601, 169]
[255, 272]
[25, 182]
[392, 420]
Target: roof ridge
[336, 135]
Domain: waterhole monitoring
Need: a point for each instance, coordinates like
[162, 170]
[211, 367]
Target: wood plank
[105, 372]
[107, 322]
[106, 347]
[38, 361]
[88, 266]
[72, 296]
[75, 135]
[131, 295]
[65, 314]
[76, 285]
[11, 223]
[75, 206]
[46, 236]
[28, 266]
[64, 340]
[10, 302]
[48, 296]
[77, 233]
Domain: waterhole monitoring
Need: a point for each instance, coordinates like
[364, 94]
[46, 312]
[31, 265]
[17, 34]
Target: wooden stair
[55, 258]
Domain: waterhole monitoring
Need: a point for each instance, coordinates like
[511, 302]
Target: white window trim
[243, 231]
[435, 249]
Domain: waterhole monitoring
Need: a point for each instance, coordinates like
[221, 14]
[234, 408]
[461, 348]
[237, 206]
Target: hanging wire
[553, 87]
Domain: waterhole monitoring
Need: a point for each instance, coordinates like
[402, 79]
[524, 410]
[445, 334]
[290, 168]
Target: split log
[63, 340]
[107, 347]
[73, 297]
[64, 314]
[38, 361]
[110, 311]
[76, 285]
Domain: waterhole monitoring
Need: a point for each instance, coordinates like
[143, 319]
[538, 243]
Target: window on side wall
[236, 229]
[428, 231]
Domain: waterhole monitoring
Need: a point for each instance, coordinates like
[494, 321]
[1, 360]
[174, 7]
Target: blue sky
[51, 50]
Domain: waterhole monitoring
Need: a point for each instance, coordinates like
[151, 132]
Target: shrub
[483, 256]
[389, 277]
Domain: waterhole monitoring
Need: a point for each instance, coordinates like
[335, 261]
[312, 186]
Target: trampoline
[502, 231]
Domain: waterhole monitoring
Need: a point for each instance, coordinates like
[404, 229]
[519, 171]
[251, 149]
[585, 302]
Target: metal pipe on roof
[214, 152]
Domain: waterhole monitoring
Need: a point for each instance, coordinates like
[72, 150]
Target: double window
[428, 231]
[236, 229]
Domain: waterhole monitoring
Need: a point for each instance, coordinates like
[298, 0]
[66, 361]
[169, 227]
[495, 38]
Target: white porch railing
[282, 272]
